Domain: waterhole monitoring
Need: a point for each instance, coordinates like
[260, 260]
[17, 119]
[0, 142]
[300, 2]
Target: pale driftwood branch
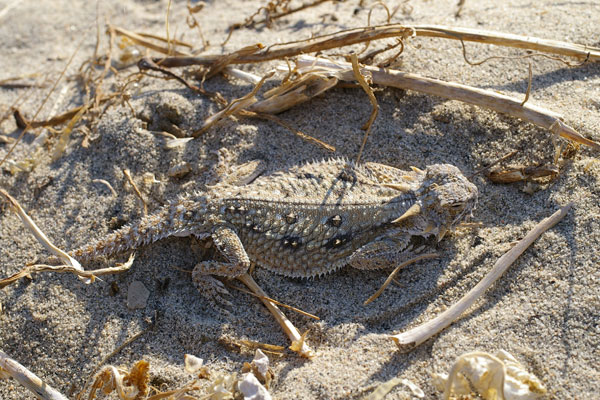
[421, 333]
[28, 379]
[289, 329]
[484, 98]
[367, 34]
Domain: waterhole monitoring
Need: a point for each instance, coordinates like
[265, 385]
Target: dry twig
[484, 98]
[414, 337]
[289, 329]
[390, 278]
[28, 379]
[366, 34]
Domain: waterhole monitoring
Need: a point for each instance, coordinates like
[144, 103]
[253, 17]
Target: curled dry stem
[365, 86]
[414, 337]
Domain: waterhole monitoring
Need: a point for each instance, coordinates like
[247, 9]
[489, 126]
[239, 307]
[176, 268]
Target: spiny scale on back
[310, 219]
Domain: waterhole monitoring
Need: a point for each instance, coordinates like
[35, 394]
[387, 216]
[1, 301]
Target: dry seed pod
[518, 174]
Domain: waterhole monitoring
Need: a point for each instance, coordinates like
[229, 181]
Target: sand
[545, 310]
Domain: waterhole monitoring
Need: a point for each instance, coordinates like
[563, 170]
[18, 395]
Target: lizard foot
[212, 290]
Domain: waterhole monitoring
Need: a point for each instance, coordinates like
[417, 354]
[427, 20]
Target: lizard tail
[172, 219]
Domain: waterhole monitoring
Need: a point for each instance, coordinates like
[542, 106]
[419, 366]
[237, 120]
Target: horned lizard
[307, 220]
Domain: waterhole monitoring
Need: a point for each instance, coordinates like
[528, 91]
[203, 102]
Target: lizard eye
[456, 206]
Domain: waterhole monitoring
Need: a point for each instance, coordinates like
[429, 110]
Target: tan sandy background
[545, 310]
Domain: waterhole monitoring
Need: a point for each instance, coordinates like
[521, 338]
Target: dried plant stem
[127, 174]
[289, 329]
[37, 232]
[421, 333]
[509, 40]
[88, 275]
[390, 278]
[28, 379]
[365, 86]
[366, 34]
[139, 39]
[484, 98]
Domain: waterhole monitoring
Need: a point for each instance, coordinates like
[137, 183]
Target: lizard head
[444, 199]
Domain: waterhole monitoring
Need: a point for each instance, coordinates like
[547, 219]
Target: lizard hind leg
[236, 263]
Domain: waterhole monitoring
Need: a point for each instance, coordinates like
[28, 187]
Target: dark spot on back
[291, 242]
[291, 218]
[336, 221]
[338, 241]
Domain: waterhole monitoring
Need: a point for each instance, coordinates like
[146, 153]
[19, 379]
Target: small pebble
[137, 295]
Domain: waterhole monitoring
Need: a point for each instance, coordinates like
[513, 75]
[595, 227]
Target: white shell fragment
[493, 377]
[252, 389]
[223, 387]
[261, 362]
[192, 363]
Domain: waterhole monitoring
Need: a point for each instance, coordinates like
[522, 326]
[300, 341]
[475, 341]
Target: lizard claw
[213, 291]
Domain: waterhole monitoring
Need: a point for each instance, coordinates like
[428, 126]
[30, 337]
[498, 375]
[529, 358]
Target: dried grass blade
[484, 98]
[66, 133]
[290, 94]
[390, 278]
[139, 39]
[233, 107]
[365, 86]
[39, 235]
[289, 329]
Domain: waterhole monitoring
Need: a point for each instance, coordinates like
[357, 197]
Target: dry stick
[455, 91]
[127, 174]
[28, 379]
[39, 235]
[414, 337]
[88, 275]
[139, 39]
[528, 85]
[390, 278]
[365, 34]
[71, 266]
[289, 329]
[233, 107]
[299, 311]
[43, 103]
[365, 86]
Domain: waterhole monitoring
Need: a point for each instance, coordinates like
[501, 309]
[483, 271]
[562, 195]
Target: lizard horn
[403, 187]
[441, 233]
[415, 209]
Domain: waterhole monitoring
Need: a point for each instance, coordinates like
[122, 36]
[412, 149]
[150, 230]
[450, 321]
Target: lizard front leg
[237, 262]
[385, 252]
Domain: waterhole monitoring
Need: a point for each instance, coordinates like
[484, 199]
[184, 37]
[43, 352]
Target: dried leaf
[492, 377]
